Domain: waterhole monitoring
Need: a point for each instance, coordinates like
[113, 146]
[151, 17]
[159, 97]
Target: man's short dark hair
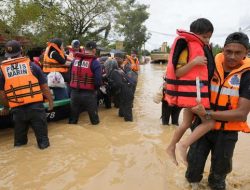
[201, 26]
[119, 55]
[238, 37]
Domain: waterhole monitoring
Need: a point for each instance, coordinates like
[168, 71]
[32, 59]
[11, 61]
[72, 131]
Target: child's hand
[199, 110]
[199, 60]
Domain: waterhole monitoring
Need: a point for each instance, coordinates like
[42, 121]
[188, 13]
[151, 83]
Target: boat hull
[61, 111]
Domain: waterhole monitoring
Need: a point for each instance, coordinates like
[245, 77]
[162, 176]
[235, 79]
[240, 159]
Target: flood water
[115, 155]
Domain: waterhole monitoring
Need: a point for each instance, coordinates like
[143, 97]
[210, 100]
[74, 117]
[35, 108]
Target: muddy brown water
[115, 155]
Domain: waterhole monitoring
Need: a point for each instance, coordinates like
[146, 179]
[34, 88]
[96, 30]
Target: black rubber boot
[217, 182]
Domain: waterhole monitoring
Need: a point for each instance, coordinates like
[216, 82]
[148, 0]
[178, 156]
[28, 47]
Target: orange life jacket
[182, 91]
[21, 86]
[225, 93]
[135, 65]
[51, 65]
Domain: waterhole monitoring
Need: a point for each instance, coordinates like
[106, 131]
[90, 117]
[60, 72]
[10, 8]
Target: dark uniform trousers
[30, 115]
[83, 100]
[167, 111]
[221, 144]
[126, 102]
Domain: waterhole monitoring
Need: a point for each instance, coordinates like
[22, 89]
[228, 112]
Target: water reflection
[115, 155]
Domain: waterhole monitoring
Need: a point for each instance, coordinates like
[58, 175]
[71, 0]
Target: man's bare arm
[46, 92]
[239, 114]
[3, 99]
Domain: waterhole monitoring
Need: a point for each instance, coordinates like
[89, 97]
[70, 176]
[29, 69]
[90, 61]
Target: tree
[70, 19]
[129, 23]
[41, 20]
[216, 49]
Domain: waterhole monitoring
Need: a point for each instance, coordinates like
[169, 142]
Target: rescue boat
[61, 111]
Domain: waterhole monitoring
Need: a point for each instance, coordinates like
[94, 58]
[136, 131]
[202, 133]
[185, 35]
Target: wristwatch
[208, 115]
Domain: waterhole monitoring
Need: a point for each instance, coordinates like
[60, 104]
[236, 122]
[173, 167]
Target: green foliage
[216, 49]
[145, 52]
[41, 20]
[129, 23]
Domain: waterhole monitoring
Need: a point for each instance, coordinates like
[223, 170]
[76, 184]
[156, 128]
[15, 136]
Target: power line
[161, 33]
[222, 35]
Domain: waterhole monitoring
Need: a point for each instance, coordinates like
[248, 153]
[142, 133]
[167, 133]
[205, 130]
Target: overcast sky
[166, 16]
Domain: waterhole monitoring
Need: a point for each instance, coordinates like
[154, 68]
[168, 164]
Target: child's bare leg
[179, 131]
[198, 132]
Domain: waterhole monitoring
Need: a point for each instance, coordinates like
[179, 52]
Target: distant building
[119, 45]
[23, 40]
[164, 47]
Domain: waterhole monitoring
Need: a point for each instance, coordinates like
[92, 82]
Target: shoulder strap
[181, 44]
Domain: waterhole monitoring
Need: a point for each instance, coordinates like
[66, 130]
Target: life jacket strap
[186, 94]
[186, 82]
[22, 96]
[21, 87]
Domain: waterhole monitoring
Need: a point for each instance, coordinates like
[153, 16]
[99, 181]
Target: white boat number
[51, 115]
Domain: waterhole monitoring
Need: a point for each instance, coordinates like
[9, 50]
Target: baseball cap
[75, 43]
[238, 37]
[91, 45]
[12, 49]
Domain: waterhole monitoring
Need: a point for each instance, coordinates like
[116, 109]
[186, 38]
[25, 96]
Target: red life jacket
[81, 75]
[182, 91]
[73, 52]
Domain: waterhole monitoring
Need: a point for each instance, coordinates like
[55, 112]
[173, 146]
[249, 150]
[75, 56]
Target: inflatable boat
[61, 111]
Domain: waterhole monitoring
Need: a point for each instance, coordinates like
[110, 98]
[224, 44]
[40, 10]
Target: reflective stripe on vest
[21, 86]
[51, 65]
[225, 93]
[182, 91]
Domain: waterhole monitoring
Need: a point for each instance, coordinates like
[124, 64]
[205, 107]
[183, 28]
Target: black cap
[12, 49]
[119, 55]
[57, 41]
[238, 37]
[91, 45]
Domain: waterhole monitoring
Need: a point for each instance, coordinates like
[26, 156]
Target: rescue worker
[74, 48]
[133, 61]
[55, 61]
[121, 88]
[103, 92]
[86, 78]
[131, 68]
[22, 87]
[120, 58]
[230, 106]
